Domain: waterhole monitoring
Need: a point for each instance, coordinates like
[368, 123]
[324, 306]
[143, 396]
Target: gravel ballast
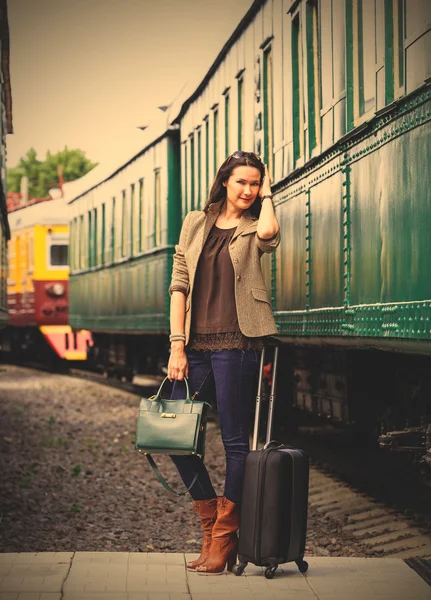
[71, 479]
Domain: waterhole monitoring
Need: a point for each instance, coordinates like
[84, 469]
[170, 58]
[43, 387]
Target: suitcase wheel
[270, 572]
[302, 565]
[238, 569]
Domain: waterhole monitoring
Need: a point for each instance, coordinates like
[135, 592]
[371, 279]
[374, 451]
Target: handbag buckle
[168, 415]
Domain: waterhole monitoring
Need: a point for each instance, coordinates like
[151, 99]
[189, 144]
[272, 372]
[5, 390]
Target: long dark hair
[237, 159]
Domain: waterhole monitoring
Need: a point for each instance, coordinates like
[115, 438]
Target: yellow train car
[37, 285]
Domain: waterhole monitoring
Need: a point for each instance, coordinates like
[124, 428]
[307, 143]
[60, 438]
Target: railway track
[384, 524]
[382, 529]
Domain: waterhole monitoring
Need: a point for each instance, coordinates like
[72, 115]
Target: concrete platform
[154, 576]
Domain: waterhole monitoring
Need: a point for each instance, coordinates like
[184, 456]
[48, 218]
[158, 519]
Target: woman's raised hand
[178, 367]
[265, 188]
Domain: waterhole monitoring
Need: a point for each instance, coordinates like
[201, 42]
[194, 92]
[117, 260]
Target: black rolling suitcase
[273, 520]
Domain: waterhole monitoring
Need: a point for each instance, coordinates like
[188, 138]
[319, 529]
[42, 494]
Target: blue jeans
[233, 373]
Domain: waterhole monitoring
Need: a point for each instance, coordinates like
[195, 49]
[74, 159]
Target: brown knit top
[214, 315]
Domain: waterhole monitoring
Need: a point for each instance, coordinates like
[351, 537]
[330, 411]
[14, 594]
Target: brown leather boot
[224, 541]
[207, 511]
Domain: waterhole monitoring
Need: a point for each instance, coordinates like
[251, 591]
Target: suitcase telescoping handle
[269, 342]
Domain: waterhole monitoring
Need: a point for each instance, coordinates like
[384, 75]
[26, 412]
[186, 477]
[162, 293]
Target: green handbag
[171, 427]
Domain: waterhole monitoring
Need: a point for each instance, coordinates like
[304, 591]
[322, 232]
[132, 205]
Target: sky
[88, 73]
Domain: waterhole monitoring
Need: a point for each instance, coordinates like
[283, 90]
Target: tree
[43, 175]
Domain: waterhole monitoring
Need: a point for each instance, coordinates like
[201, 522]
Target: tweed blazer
[253, 306]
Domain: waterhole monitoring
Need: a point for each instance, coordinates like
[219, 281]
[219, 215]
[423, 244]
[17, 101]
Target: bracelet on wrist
[266, 196]
[177, 337]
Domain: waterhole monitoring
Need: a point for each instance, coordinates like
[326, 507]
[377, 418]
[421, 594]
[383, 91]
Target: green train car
[335, 96]
[124, 225]
[5, 128]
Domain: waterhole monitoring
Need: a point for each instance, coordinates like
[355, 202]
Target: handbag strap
[164, 482]
[159, 393]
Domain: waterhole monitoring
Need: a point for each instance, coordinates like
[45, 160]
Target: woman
[220, 312]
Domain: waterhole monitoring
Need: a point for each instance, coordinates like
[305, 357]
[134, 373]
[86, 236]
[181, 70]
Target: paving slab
[161, 576]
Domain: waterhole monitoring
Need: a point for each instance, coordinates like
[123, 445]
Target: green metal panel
[115, 299]
[326, 287]
[392, 220]
[291, 255]
[384, 231]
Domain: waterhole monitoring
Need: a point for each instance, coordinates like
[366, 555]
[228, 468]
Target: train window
[268, 110]
[103, 236]
[18, 275]
[90, 240]
[31, 254]
[141, 217]
[240, 110]
[72, 249]
[417, 43]
[58, 255]
[81, 243]
[326, 80]
[157, 209]
[215, 140]
[113, 231]
[207, 156]
[95, 239]
[125, 223]
[132, 219]
[226, 123]
[366, 56]
[394, 37]
[186, 178]
[297, 90]
[338, 40]
[192, 172]
[199, 153]
[312, 73]
[399, 36]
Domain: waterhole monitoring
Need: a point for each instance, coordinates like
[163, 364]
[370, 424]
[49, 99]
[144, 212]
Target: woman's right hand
[178, 367]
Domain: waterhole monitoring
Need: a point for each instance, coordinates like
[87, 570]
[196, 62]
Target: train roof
[243, 24]
[157, 130]
[50, 212]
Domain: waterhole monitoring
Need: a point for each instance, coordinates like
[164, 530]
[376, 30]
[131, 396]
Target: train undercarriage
[124, 355]
[382, 396]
